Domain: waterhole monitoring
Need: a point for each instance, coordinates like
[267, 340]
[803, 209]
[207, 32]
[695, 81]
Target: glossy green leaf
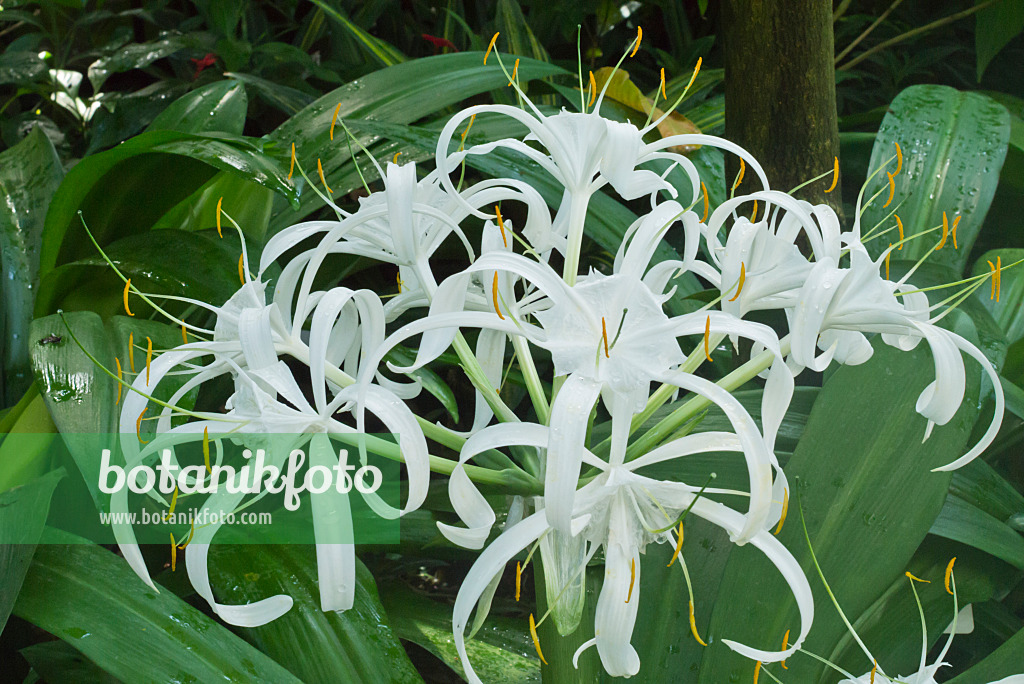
[219, 106]
[376, 48]
[29, 175]
[968, 524]
[982, 486]
[501, 652]
[1008, 312]
[1006, 660]
[23, 513]
[56, 661]
[430, 381]
[354, 645]
[249, 204]
[869, 500]
[126, 114]
[516, 35]
[288, 100]
[138, 55]
[995, 26]
[90, 598]
[954, 144]
[400, 94]
[25, 453]
[114, 189]
[21, 67]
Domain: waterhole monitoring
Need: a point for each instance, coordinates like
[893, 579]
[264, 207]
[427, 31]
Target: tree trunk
[780, 93]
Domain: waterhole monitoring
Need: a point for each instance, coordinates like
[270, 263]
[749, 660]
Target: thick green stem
[577, 221]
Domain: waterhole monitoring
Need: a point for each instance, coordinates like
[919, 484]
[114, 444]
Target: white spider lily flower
[620, 511]
[268, 403]
[837, 306]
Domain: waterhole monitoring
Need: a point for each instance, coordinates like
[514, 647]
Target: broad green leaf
[400, 94]
[25, 453]
[995, 26]
[1006, 660]
[29, 175]
[981, 485]
[23, 513]
[430, 381]
[954, 144]
[968, 524]
[90, 598]
[114, 189]
[56, 661]
[355, 645]
[288, 100]
[249, 204]
[375, 48]
[1009, 310]
[869, 499]
[128, 114]
[219, 106]
[138, 55]
[516, 35]
[501, 652]
[21, 67]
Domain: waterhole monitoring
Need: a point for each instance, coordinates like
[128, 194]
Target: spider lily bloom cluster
[609, 339]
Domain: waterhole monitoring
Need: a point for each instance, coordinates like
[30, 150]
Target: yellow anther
[291, 168]
[639, 37]
[494, 292]
[632, 578]
[785, 645]
[785, 510]
[899, 224]
[490, 46]
[127, 286]
[874, 669]
[835, 175]
[999, 275]
[664, 95]
[993, 282]
[704, 191]
[515, 72]
[753, 214]
[696, 70]
[184, 334]
[219, 203]
[679, 547]
[707, 339]
[892, 190]
[131, 351]
[118, 362]
[949, 574]
[334, 119]
[206, 448]
[398, 279]
[174, 552]
[952, 230]
[191, 533]
[945, 232]
[757, 671]
[743, 279]
[739, 176]
[693, 626]
[593, 90]
[917, 579]
[174, 501]
[887, 255]
[149, 357]
[138, 427]
[320, 170]
[899, 158]
[472, 118]
[519, 578]
[604, 337]
[501, 226]
[394, 160]
[533, 631]
[241, 268]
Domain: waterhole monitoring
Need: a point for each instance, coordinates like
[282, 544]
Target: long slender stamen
[220, 204]
[693, 626]
[174, 552]
[679, 100]
[334, 120]
[519, 578]
[138, 426]
[533, 635]
[949, 572]
[899, 158]
[835, 176]
[757, 671]
[118, 362]
[639, 37]
[174, 503]
[604, 338]
[241, 268]
[917, 579]
[785, 645]
[320, 170]
[124, 296]
[131, 352]
[899, 224]
[394, 160]
[184, 334]
[494, 290]
[291, 168]
[632, 578]
[998, 277]
[206, 449]
[739, 176]
[992, 272]
[753, 214]
[707, 338]
[888, 253]
[490, 46]
[739, 289]
[191, 533]
[785, 510]
[874, 669]
[679, 547]
[945, 232]
[149, 357]
[952, 230]
[515, 73]
[501, 225]
[704, 191]
[593, 90]
[892, 190]
[663, 93]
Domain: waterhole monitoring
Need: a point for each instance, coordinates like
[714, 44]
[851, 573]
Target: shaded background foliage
[142, 115]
